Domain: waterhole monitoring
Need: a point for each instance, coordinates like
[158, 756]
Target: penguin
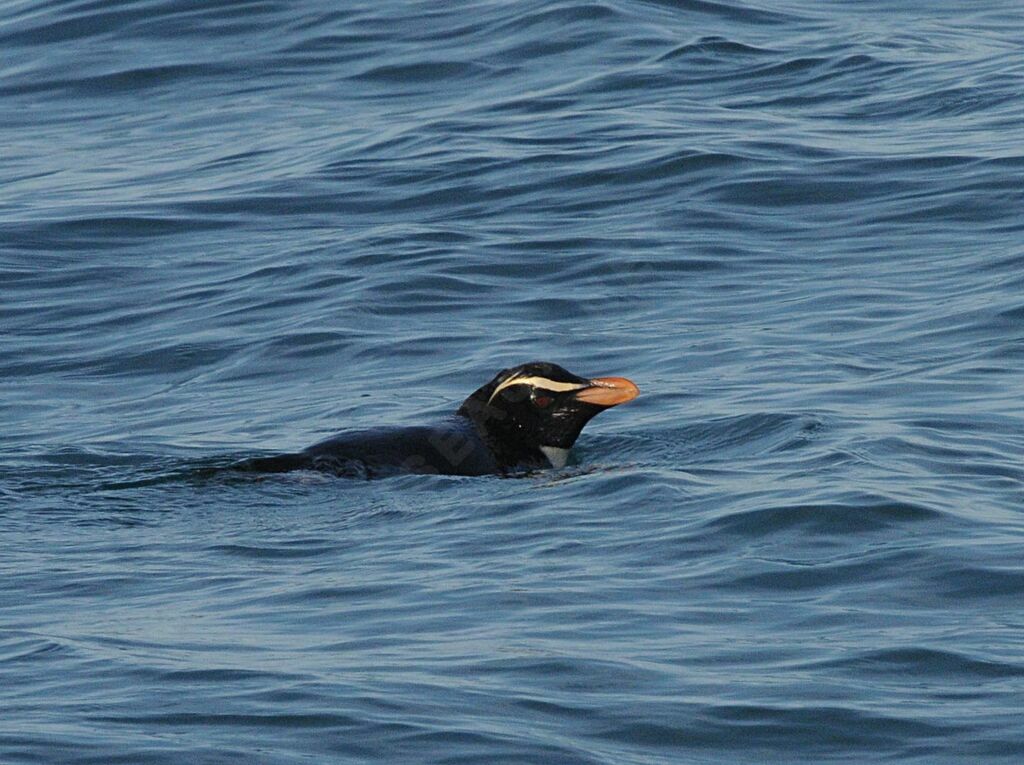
[526, 418]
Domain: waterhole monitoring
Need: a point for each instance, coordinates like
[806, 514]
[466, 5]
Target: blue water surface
[231, 228]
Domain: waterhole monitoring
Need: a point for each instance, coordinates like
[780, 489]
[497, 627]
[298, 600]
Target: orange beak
[608, 391]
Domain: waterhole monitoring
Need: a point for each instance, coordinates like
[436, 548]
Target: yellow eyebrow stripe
[537, 382]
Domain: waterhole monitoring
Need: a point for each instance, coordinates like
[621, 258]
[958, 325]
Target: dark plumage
[527, 417]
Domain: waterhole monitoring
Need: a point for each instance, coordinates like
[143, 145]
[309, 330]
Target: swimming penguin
[527, 417]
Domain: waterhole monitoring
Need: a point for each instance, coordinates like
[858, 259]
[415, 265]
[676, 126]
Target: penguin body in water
[527, 417]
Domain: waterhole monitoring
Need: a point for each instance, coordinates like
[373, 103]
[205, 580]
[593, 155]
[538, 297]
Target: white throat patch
[556, 455]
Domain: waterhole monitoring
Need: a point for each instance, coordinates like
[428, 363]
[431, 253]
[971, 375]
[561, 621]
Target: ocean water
[233, 228]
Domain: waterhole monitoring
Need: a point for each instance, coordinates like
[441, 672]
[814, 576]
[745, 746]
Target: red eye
[542, 401]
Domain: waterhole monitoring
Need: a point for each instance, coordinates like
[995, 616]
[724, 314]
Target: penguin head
[535, 411]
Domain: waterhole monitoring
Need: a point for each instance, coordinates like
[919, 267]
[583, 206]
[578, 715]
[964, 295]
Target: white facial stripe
[537, 382]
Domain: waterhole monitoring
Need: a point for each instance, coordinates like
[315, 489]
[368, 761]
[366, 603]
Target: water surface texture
[232, 228]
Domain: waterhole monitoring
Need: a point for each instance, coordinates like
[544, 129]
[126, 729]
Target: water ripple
[235, 228]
